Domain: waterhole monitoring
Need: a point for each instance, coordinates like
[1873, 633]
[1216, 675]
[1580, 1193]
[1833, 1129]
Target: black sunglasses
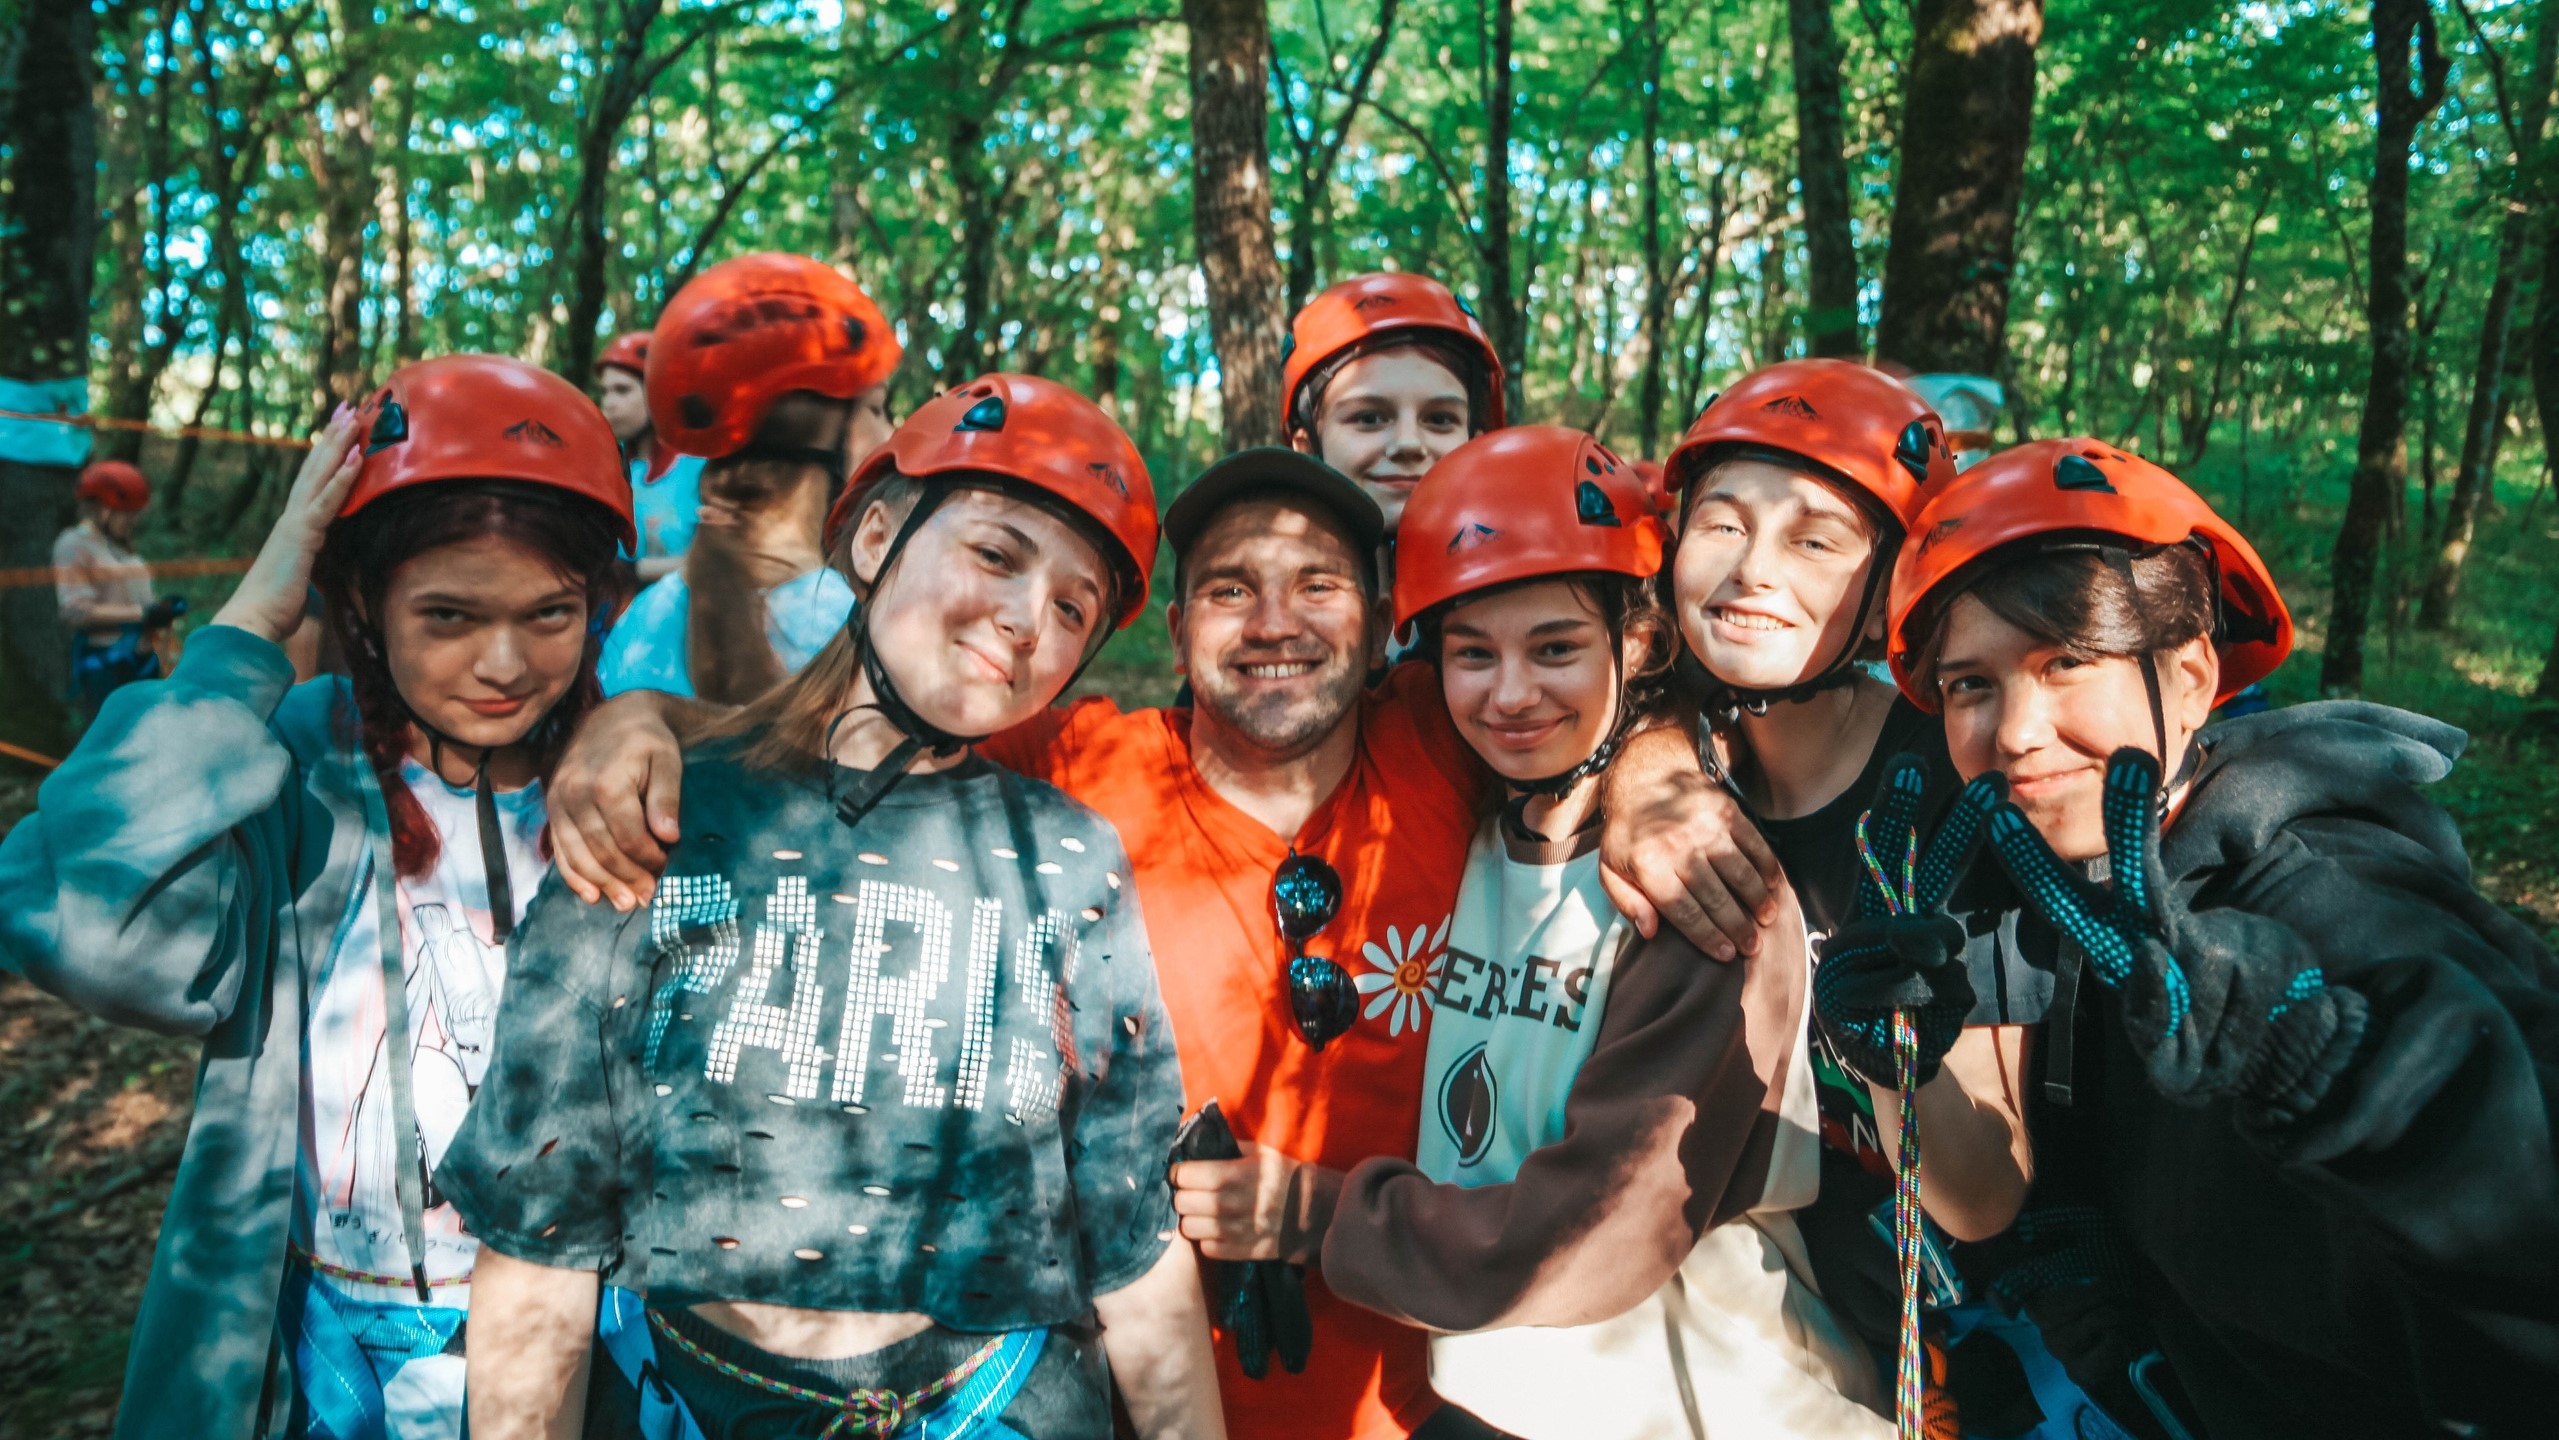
[1305, 894]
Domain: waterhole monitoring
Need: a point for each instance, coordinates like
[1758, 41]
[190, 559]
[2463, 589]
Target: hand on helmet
[274, 594]
[2216, 1003]
[1903, 952]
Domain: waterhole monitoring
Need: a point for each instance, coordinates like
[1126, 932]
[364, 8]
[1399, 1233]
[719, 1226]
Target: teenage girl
[1596, 1104]
[1385, 375]
[666, 488]
[2300, 1062]
[322, 880]
[776, 368]
[872, 1105]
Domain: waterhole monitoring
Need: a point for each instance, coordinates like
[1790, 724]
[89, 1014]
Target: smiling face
[1386, 419]
[1529, 677]
[2049, 719]
[624, 403]
[989, 612]
[1276, 630]
[483, 637]
[1769, 570]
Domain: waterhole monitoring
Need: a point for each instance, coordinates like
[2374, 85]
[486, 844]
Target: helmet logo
[1475, 533]
[1591, 504]
[986, 415]
[1913, 449]
[1107, 473]
[1937, 532]
[1467, 1099]
[2072, 472]
[1463, 307]
[534, 432]
[1795, 406]
[1371, 302]
[390, 427]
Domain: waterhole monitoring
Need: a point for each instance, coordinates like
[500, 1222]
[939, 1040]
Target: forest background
[2296, 251]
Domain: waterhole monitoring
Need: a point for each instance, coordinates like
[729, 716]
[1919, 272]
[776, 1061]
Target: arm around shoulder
[148, 873]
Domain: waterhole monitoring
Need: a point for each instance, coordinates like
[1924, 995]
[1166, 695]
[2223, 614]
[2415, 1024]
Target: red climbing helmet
[1854, 421]
[114, 485]
[1520, 504]
[629, 351]
[747, 332]
[1035, 432]
[488, 417]
[1364, 307]
[2090, 491]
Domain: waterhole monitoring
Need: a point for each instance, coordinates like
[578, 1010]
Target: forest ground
[91, 1116]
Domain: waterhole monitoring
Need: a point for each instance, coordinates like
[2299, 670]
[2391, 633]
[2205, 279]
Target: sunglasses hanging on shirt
[1305, 895]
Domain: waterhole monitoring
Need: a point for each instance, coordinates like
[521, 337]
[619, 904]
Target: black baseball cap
[1263, 470]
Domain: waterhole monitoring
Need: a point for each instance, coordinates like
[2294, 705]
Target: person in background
[1385, 374]
[115, 620]
[321, 882]
[666, 488]
[1596, 1107]
[776, 367]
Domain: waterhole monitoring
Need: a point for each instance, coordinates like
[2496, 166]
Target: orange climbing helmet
[2090, 492]
[114, 485]
[488, 417]
[629, 351]
[1854, 421]
[1360, 311]
[747, 332]
[1520, 504]
[1656, 482]
[1037, 433]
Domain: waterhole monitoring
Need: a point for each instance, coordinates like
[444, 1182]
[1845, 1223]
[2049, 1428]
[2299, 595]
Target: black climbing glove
[1903, 951]
[1260, 1303]
[2217, 1002]
[161, 612]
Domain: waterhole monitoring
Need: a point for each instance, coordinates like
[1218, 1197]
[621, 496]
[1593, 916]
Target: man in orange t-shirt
[1274, 626]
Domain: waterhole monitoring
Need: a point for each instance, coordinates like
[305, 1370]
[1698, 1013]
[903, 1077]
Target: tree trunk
[1821, 162]
[2381, 460]
[1968, 104]
[2472, 482]
[1501, 300]
[340, 157]
[1648, 394]
[628, 74]
[1231, 211]
[48, 252]
[964, 355]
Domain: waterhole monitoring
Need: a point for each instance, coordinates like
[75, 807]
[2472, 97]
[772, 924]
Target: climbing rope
[1909, 1387]
[875, 1412]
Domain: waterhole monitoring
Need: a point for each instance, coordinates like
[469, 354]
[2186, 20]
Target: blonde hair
[788, 722]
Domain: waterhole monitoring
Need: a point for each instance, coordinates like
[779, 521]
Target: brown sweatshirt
[1670, 1124]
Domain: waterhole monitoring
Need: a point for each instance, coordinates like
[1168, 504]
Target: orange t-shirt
[1396, 828]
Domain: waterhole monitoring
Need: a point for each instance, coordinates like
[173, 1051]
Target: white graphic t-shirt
[347, 1215]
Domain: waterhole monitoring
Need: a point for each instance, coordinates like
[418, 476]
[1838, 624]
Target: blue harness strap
[972, 1411]
[346, 1350]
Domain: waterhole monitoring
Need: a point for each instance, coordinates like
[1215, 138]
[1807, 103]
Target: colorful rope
[1909, 1388]
[876, 1412]
[396, 1282]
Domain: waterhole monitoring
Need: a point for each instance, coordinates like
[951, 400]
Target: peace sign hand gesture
[2216, 1003]
[274, 594]
[1903, 951]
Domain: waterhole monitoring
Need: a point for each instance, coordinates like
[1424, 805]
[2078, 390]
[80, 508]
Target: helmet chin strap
[1843, 668]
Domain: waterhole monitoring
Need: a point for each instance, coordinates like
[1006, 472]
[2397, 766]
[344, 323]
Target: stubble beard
[1284, 727]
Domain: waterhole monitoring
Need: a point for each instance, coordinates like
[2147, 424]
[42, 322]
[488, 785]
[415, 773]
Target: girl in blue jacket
[320, 880]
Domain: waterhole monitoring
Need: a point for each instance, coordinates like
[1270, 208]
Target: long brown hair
[353, 574]
[726, 650]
